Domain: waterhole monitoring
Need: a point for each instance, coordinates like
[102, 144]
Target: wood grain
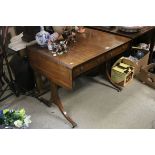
[91, 49]
[54, 72]
[88, 46]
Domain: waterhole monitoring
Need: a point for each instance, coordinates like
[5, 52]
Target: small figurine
[81, 29]
[58, 44]
[54, 36]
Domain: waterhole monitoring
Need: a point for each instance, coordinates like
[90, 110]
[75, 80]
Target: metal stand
[8, 80]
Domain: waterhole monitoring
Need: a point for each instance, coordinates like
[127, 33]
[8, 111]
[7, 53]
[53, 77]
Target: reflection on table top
[88, 45]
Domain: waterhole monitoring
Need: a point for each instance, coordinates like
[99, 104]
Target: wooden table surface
[88, 45]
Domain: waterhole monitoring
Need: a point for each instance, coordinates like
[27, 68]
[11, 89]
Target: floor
[93, 105]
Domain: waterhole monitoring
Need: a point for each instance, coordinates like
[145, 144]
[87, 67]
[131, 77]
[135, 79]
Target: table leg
[109, 78]
[39, 82]
[152, 44]
[57, 101]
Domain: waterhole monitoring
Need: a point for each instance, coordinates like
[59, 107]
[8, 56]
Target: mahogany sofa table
[91, 49]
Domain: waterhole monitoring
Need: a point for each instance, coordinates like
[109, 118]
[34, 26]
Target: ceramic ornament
[54, 37]
[42, 37]
[58, 44]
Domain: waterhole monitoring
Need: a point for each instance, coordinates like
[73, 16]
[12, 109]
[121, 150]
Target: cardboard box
[122, 71]
[147, 77]
[141, 62]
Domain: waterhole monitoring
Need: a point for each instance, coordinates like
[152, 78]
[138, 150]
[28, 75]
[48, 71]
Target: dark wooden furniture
[4, 77]
[148, 31]
[115, 30]
[91, 49]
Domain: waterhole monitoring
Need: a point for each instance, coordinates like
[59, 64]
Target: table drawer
[109, 55]
[98, 60]
[88, 65]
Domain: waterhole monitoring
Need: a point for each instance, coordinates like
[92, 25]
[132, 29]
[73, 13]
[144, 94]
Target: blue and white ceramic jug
[42, 37]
